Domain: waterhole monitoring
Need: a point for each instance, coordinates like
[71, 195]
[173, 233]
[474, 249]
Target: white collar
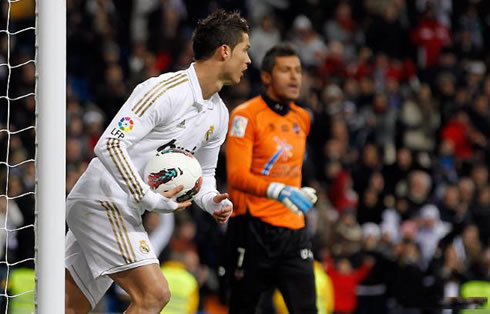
[199, 102]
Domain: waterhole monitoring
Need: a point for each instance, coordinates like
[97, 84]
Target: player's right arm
[143, 110]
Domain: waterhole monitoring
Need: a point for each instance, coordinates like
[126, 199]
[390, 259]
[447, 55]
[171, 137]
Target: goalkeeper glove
[310, 193]
[297, 200]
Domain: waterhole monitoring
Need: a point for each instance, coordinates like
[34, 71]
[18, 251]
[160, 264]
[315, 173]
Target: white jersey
[162, 112]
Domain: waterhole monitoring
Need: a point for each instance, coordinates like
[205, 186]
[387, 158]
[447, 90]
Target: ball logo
[189, 194]
[163, 176]
[126, 124]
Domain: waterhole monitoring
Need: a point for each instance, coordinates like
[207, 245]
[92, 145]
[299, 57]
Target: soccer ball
[171, 168]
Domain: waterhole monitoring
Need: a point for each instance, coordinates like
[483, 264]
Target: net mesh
[17, 163]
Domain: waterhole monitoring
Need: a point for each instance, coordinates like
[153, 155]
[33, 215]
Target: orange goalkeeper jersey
[263, 147]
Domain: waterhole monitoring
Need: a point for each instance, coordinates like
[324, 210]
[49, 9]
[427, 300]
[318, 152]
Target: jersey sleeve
[136, 118]
[239, 153]
[208, 159]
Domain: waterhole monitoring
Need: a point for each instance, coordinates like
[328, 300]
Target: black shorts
[260, 257]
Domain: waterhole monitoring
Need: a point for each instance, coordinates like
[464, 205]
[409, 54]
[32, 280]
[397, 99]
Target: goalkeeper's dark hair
[219, 28]
[279, 50]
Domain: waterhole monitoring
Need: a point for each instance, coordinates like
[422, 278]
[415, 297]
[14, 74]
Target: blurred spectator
[263, 37]
[469, 21]
[468, 246]
[419, 187]
[113, 93]
[371, 206]
[343, 29]
[386, 34]
[334, 66]
[409, 289]
[397, 173]
[420, 119]
[479, 175]
[430, 36]
[341, 194]
[430, 231]
[346, 235]
[345, 280]
[380, 122]
[466, 191]
[442, 9]
[370, 162]
[481, 213]
[449, 204]
[308, 43]
[22, 285]
[182, 283]
[372, 291]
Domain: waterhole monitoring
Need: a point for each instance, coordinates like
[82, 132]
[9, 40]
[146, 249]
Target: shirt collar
[199, 102]
[279, 108]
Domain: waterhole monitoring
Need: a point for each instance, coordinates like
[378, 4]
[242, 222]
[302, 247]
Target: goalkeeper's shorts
[103, 239]
[261, 257]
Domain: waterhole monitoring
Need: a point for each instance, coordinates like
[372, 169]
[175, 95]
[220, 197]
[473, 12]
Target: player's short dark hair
[219, 28]
[279, 50]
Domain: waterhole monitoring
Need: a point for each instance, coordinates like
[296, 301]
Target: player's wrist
[208, 201]
[156, 202]
[274, 190]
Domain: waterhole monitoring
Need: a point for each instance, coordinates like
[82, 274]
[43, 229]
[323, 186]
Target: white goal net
[17, 163]
[32, 127]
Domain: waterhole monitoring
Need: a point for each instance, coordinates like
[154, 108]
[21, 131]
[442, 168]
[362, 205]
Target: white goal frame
[50, 155]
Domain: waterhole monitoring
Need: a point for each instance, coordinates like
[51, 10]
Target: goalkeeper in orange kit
[267, 241]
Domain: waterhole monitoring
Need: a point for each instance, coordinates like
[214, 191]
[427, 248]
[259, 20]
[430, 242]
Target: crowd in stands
[399, 150]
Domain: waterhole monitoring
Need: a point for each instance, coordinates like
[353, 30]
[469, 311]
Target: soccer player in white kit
[106, 240]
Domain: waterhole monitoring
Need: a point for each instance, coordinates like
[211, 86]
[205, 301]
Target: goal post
[50, 155]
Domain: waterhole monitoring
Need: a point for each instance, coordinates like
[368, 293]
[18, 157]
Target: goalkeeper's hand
[162, 203]
[297, 200]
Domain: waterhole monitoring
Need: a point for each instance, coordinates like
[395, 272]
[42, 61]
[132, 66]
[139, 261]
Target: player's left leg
[82, 290]
[296, 279]
[75, 300]
[107, 241]
[146, 286]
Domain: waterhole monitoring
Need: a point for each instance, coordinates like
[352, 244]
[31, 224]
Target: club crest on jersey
[239, 126]
[209, 133]
[155, 179]
[296, 128]
[126, 124]
[144, 247]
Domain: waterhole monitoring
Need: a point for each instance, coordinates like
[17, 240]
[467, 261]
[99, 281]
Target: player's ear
[265, 77]
[224, 52]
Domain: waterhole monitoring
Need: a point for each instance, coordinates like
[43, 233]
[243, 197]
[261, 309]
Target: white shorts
[103, 239]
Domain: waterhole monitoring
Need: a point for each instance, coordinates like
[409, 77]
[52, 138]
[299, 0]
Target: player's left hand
[223, 208]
